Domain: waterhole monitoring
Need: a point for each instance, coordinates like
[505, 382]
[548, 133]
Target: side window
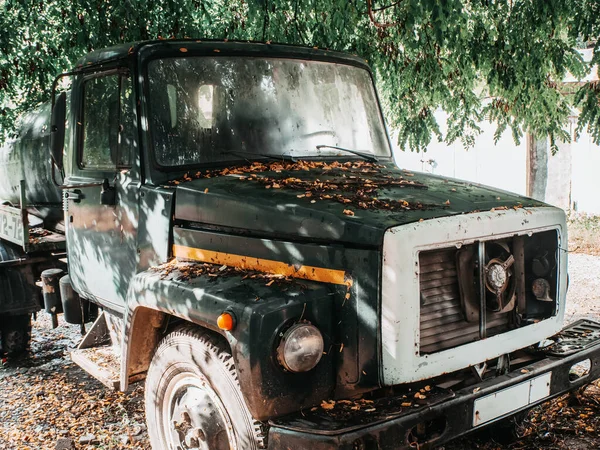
[108, 123]
[206, 117]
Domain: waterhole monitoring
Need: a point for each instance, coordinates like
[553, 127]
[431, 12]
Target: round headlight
[541, 290]
[301, 348]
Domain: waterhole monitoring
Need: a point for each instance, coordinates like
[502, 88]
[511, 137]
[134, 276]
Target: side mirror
[57, 130]
[108, 195]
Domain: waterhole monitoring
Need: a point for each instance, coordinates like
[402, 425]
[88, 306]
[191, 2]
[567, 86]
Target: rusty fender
[260, 311]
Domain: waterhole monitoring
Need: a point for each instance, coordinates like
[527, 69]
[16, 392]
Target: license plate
[511, 399]
[11, 224]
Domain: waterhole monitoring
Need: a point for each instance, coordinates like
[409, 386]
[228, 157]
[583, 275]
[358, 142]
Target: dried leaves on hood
[183, 271]
[356, 183]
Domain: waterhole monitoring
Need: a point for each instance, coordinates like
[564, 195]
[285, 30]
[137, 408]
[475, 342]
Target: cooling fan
[498, 273]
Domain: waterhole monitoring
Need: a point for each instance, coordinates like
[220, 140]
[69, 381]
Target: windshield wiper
[281, 157]
[370, 158]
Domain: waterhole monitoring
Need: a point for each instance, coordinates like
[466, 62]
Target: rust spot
[48, 289]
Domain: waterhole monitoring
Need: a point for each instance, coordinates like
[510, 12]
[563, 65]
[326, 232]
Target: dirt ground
[45, 399]
[584, 234]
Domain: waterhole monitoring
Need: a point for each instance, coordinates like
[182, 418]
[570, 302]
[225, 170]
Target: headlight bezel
[288, 345]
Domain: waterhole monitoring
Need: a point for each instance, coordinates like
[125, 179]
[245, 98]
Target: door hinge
[76, 196]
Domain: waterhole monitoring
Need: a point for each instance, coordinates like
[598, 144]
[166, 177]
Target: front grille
[443, 323]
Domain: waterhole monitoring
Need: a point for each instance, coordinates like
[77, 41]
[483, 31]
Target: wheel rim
[193, 416]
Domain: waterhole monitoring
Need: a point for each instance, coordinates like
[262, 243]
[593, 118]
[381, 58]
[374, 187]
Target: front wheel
[193, 398]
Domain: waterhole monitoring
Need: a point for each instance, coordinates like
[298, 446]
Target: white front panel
[508, 400]
[540, 387]
[400, 306]
[500, 403]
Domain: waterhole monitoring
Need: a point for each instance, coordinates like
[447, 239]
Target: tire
[193, 395]
[15, 334]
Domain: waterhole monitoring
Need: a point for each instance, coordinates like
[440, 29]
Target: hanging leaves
[500, 61]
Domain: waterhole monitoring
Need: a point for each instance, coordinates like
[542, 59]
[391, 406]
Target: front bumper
[392, 423]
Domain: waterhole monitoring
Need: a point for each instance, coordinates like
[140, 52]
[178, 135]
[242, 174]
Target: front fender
[261, 312]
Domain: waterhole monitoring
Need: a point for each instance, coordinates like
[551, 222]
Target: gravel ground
[583, 298]
[75, 408]
[47, 402]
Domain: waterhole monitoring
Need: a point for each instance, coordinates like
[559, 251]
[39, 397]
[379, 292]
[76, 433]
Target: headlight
[301, 348]
[541, 290]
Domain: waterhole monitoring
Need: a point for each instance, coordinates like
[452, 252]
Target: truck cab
[272, 274]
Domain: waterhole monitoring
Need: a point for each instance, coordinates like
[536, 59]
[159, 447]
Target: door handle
[76, 196]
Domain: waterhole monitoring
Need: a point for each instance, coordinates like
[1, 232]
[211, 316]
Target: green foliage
[500, 60]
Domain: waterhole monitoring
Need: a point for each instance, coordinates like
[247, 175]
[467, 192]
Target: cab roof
[201, 47]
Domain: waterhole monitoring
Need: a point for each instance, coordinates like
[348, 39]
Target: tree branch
[372, 16]
[382, 8]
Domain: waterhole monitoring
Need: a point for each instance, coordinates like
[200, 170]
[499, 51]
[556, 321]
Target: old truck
[31, 228]
[264, 265]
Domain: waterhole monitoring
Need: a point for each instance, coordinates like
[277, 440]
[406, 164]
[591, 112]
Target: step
[99, 357]
[101, 363]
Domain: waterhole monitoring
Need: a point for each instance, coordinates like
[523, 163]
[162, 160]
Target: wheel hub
[197, 419]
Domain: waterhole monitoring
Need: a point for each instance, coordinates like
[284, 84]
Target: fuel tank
[27, 157]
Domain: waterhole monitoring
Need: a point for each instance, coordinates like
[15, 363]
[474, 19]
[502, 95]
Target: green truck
[260, 260]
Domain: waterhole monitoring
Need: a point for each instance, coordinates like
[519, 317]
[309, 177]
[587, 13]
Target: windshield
[210, 109]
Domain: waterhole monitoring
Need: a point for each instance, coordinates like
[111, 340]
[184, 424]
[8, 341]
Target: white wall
[573, 173]
[502, 165]
[585, 181]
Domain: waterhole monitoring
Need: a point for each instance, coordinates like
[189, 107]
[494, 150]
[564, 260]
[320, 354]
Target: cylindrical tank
[76, 310]
[71, 303]
[27, 157]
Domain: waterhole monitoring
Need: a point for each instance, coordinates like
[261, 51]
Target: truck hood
[352, 203]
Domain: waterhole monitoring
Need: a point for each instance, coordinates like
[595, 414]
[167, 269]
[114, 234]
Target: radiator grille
[442, 321]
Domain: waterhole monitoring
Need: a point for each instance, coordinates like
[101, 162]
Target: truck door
[104, 181]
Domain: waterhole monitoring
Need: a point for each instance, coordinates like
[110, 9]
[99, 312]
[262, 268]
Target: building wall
[585, 180]
[569, 179]
[502, 165]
